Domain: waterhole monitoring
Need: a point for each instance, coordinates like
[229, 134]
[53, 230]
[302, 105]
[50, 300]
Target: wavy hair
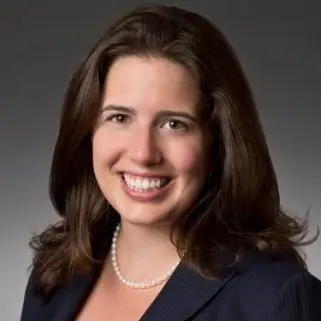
[238, 210]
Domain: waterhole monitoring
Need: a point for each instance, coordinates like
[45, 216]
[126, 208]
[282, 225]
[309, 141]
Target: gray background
[278, 42]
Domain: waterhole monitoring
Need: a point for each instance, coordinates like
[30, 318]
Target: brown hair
[239, 208]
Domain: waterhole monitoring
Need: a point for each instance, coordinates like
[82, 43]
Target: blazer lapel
[183, 295]
[67, 300]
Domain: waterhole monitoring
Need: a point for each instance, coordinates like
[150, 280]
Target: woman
[168, 198]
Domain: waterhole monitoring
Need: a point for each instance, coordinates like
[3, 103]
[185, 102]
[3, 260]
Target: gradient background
[279, 45]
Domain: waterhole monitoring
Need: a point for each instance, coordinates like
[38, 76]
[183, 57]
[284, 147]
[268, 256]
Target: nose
[144, 148]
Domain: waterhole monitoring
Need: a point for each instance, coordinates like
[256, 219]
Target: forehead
[150, 82]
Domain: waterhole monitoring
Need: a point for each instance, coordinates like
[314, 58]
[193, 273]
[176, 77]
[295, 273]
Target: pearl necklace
[135, 285]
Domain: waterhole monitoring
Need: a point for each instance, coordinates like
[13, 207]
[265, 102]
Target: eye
[175, 124]
[118, 118]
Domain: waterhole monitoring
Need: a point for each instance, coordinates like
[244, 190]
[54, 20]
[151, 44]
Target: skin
[149, 124]
[137, 134]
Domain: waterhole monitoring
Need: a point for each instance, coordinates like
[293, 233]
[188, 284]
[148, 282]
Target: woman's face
[149, 147]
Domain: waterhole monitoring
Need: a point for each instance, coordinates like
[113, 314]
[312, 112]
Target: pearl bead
[134, 285]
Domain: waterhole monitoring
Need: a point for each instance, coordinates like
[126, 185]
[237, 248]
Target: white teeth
[144, 184]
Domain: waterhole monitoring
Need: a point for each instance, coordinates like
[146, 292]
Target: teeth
[144, 184]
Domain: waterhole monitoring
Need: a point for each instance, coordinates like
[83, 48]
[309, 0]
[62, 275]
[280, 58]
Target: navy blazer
[258, 290]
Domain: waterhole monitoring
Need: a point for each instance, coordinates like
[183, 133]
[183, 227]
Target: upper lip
[147, 175]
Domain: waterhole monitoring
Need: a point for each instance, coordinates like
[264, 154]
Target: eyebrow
[161, 114]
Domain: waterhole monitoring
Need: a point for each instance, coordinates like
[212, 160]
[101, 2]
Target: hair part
[238, 210]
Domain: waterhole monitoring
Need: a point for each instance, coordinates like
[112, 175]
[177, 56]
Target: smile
[144, 184]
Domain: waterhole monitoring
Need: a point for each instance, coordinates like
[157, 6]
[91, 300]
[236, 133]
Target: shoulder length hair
[239, 208]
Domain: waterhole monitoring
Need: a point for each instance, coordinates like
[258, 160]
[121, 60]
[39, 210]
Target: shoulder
[31, 301]
[267, 272]
[278, 288]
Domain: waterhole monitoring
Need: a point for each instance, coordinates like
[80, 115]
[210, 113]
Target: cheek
[104, 151]
[188, 159]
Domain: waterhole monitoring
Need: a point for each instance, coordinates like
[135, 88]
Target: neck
[145, 252]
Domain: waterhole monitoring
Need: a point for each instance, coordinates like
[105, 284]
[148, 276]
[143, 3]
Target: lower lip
[143, 196]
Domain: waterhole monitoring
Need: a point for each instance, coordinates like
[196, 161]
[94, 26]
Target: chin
[147, 217]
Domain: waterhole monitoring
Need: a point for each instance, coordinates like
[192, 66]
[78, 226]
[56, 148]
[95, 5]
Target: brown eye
[118, 118]
[174, 124]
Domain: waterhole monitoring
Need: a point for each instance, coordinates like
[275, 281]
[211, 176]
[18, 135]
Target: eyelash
[115, 118]
[183, 126]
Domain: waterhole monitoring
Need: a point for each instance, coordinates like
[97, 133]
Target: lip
[144, 175]
[144, 196]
